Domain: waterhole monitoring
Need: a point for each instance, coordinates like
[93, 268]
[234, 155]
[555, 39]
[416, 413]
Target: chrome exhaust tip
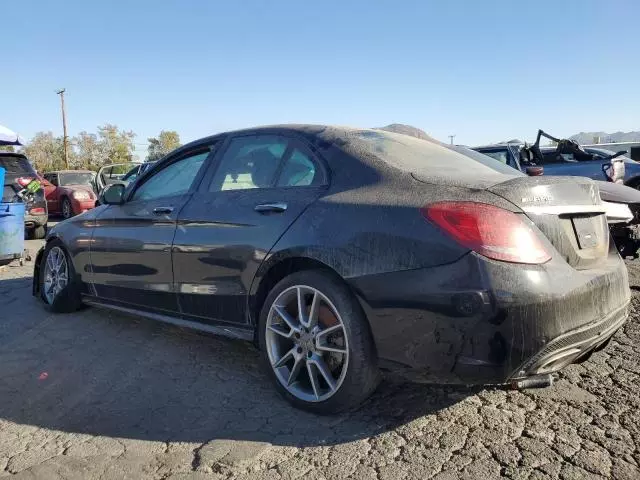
[536, 381]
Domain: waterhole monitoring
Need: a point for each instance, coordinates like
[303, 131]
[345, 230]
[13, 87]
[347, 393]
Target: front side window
[175, 179]
[249, 162]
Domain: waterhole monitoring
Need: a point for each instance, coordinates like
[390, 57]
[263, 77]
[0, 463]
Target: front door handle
[276, 207]
[163, 210]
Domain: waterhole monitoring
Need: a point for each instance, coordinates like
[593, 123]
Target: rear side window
[298, 171]
[16, 165]
[249, 162]
[424, 157]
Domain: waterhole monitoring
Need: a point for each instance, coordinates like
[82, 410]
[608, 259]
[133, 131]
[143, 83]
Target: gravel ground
[102, 395]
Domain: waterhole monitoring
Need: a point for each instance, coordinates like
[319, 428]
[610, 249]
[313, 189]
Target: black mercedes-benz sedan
[346, 252]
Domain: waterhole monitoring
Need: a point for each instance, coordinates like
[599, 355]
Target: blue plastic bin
[2, 177]
[11, 231]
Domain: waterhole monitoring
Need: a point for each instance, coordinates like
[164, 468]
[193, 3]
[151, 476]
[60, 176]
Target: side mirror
[534, 171]
[113, 195]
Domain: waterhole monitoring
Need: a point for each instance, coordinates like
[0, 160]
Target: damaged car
[617, 178]
[343, 253]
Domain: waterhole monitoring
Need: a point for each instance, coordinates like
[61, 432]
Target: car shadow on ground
[101, 373]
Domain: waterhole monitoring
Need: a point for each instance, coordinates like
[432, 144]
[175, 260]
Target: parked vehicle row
[64, 193]
[346, 252]
[70, 192]
[611, 170]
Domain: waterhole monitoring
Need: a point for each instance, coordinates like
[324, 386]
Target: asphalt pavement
[101, 395]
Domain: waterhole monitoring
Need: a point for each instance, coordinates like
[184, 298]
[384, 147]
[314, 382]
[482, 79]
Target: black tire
[362, 376]
[38, 233]
[67, 208]
[69, 299]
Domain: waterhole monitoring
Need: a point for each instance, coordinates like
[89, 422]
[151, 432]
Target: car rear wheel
[67, 209]
[316, 343]
[58, 288]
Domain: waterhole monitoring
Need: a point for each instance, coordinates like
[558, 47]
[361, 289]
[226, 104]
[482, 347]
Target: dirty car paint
[435, 308]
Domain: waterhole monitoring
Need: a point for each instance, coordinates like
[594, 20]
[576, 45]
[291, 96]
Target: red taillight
[488, 230]
[24, 181]
[37, 211]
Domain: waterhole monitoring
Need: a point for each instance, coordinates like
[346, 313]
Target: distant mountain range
[584, 138]
[587, 138]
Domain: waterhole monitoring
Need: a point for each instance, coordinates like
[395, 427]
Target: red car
[70, 192]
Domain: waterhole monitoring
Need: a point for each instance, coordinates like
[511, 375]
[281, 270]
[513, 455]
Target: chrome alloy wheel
[56, 274]
[307, 343]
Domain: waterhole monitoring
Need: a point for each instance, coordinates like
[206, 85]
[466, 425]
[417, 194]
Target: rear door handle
[276, 207]
[163, 210]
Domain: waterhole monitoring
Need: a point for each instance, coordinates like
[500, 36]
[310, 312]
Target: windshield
[131, 174]
[425, 157]
[76, 178]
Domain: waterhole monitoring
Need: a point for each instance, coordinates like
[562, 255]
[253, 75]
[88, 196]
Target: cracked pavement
[101, 395]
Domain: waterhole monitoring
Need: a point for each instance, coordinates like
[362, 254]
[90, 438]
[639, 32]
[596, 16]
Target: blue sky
[482, 70]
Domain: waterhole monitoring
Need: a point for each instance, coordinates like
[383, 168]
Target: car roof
[300, 129]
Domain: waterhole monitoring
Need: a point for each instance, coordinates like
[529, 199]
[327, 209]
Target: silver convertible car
[346, 252]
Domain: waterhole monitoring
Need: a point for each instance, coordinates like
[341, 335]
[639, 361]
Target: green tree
[46, 152]
[7, 148]
[165, 142]
[92, 152]
[118, 144]
[85, 150]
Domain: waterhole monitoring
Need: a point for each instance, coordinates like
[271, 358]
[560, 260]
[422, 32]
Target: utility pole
[64, 127]
[451, 137]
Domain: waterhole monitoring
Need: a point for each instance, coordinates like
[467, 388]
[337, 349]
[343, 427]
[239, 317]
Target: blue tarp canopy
[9, 137]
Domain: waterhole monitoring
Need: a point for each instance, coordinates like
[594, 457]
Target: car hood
[86, 188]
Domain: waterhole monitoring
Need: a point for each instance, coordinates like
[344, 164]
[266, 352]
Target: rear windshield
[427, 158]
[16, 165]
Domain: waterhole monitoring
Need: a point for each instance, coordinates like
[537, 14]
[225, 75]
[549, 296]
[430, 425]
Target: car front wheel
[58, 288]
[316, 342]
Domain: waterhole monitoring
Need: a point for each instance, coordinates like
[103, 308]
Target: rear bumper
[477, 321]
[33, 221]
[573, 345]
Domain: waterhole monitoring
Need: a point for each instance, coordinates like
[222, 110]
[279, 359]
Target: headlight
[80, 195]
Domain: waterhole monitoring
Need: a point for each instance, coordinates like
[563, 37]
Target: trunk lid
[568, 210]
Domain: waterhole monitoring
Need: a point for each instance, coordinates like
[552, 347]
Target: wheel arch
[275, 270]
